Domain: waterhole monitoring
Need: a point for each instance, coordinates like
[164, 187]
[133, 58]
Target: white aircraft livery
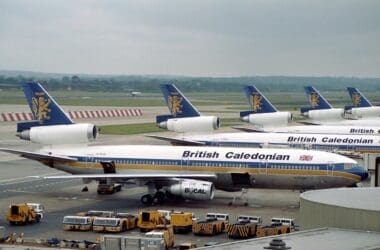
[266, 118]
[187, 172]
[326, 142]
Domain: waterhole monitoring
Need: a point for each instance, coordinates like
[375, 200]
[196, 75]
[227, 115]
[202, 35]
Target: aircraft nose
[364, 174]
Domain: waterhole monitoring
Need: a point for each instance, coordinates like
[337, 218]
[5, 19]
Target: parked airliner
[184, 117]
[188, 172]
[266, 118]
[322, 112]
[361, 107]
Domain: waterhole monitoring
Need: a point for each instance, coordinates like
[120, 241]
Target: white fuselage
[327, 129]
[326, 142]
[234, 167]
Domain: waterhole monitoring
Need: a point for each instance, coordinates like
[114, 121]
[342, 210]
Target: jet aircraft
[187, 172]
[268, 119]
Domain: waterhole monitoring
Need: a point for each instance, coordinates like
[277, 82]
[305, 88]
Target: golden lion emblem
[256, 102]
[175, 104]
[356, 99]
[314, 100]
[41, 107]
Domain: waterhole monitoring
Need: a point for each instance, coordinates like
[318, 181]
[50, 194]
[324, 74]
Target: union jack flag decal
[306, 157]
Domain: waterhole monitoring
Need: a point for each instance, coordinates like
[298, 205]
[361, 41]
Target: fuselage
[327, 129]
[234, 167]
[326, 142]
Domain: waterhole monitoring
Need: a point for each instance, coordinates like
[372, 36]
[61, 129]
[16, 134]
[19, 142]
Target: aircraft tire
[146, 199]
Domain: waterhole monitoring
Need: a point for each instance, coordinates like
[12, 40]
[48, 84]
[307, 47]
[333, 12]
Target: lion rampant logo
[356, 99]
[256, 102]
[314, 100]
[175, 104]
[41, 107]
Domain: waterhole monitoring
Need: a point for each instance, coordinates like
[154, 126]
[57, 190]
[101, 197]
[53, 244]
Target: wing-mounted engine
[268, 119]
[363, 112]
[60, 134]
[191, 124]
[324, 114]
[193, 189]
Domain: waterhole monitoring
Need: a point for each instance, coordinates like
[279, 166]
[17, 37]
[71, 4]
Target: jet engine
[61, 134]
[269, 119]
[325, 114]
[191, 124]
[193, 189]
[364, 112]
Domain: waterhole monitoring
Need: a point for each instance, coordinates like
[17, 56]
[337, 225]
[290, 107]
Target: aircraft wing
[151, 177]
[253, 129]
[178, 141]
[39, 156]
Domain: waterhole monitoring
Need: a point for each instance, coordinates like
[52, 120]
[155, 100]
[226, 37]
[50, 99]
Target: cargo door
[263, 165]
[330, 168]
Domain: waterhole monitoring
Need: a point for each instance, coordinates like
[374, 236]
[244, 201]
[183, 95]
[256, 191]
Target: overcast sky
[196, 38]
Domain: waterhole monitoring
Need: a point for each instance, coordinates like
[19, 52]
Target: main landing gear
[157, 198]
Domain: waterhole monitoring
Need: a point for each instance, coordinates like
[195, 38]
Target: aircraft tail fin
[358, 99]
[258, 102]
[316, 100]
[44, 108]
[178, 104]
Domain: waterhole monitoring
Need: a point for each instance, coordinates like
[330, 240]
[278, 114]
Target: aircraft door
[330, 168]
[89, 160]
[263, 167]
[377, 172]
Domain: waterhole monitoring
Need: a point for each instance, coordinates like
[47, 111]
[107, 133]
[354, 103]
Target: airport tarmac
[64, 197]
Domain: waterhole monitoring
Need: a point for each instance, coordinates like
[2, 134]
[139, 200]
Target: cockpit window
[349, 165]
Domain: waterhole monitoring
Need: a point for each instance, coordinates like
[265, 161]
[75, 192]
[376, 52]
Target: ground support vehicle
[77, 223]
[109, 225]
[164, 232]
[148, 220]
[272, 230]
[38, 208]
[241, 230]
[22, 214]
[97, 213]
[104, 188]
[181, 222]
[249, 218]
[208, 227]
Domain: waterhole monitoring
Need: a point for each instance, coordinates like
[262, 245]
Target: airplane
[322, 112]
[184, 117]
[263, 113]
[327, 142]
[320, 109]
[186, 172]
[266, 118]
[362, 107]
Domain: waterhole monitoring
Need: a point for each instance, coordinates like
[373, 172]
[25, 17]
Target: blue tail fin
[178, 104]
[258, 102]
[316, 100]
[358, 99]
[44, 108]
